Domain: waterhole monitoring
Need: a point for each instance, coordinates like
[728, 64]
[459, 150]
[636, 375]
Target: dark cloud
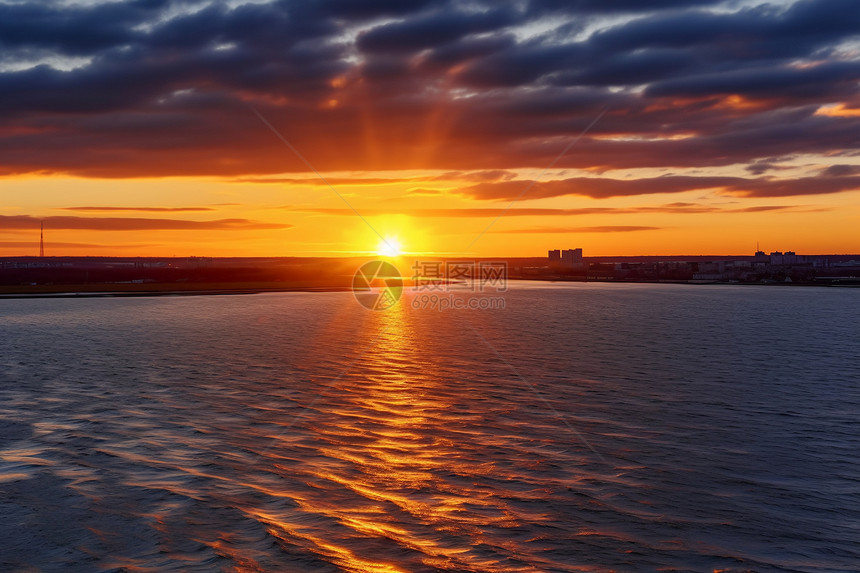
[433, 30]
[73, 30]
[762, 32]
[601, 6]
[602, 188]
[841, 170]
[373, 8]
[523, 64]
[165, 85]
[813, 83]
[630, 68]
[680, 44]
[445, 57]
[764, 165]
[317, 182]
[19, 222]
[489, 175]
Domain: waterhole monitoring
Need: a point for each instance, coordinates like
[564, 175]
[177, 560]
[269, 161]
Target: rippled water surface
[582, 428]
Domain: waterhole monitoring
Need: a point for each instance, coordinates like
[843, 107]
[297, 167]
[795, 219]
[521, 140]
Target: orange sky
[503, 129]
[426, 213]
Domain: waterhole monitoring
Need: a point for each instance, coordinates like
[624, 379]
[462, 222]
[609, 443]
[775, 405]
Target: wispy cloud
[63, 245]
[597, 229]
[20, 222]
[678, 207]
[604, 187]
[139, 209]
[424, 191]
[382, 178]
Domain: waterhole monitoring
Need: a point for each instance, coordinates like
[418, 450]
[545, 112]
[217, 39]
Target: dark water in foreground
[583, 428]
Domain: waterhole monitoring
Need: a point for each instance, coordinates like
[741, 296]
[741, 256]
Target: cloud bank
[160, 87]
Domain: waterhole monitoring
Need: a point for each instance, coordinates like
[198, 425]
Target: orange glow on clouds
[838, 110]
[295, 215]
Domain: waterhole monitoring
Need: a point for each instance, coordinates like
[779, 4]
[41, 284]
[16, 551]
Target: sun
[389, 247]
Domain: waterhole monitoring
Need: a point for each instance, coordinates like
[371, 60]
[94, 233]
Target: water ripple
[296, 432]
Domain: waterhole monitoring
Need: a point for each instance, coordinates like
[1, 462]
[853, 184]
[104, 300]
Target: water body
[581, 428]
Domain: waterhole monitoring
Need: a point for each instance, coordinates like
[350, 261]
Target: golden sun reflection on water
[333, 438]
[385, 432]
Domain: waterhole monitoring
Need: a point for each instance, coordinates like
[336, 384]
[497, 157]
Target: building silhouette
[570, 258]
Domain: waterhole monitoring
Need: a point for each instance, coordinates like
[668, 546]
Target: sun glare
[390, 247]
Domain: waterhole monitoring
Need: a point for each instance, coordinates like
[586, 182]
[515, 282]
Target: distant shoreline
[58, 277]
[157, 290]
[147, 290]
[850, 282]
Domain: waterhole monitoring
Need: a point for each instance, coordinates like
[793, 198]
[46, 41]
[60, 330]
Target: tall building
[571, 257]
[554, 256]
[777, 258]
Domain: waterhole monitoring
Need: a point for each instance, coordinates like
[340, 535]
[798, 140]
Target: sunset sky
[165, 127]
